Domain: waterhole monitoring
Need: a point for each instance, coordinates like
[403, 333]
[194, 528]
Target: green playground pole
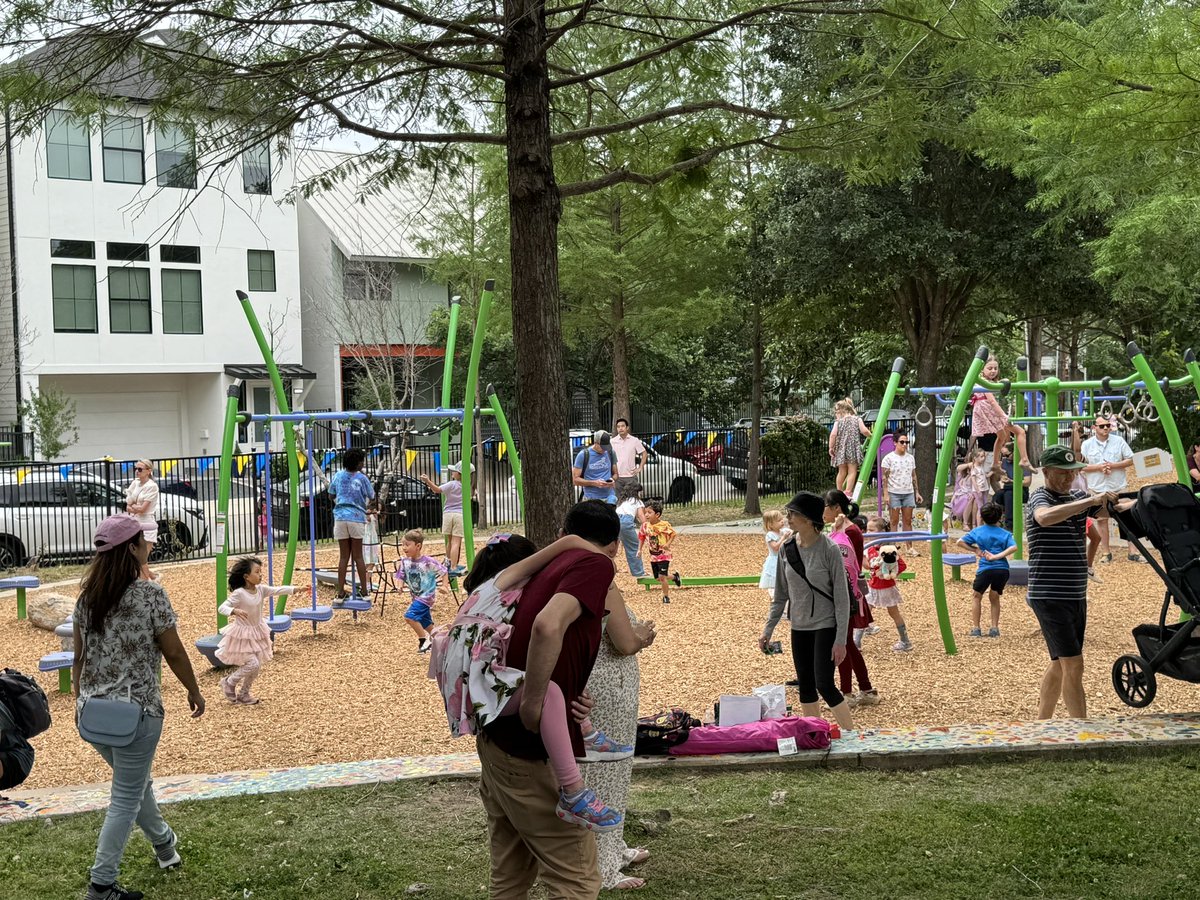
[289, 444]
[1193, 368]
[514, 460]
[448, 380]
[877, 432]
[468, 425]
[1019, 473]
[936, 513]
[1052, 386]
[225, 475]
[1166, 417]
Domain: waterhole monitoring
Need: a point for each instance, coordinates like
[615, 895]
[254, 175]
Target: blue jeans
[629, 539]
[132, 800]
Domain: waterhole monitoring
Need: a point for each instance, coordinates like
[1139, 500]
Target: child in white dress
[775, 531]
[246, 640]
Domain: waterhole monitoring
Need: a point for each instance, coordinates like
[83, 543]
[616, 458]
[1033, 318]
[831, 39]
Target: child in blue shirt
[993, 545]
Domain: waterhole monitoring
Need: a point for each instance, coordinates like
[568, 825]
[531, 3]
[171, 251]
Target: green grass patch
[1111, 828]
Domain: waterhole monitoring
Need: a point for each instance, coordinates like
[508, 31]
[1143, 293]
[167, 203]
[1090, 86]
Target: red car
[706, 459]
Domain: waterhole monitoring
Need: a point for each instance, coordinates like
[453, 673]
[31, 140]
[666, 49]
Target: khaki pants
[528, 840]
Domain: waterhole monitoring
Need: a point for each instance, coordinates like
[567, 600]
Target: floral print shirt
[125, 657]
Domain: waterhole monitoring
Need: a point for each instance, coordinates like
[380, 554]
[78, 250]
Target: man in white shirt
[900, 491]
[630, 453]
[1108, 456]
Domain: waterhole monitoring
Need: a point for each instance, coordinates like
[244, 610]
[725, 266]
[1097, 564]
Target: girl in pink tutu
[989, 417]
[246, 640]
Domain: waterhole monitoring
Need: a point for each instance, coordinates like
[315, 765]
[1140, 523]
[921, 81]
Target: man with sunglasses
[1107, 456]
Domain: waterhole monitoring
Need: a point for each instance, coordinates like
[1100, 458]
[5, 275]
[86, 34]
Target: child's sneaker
[425, 645]
[974, 632]
[666, 598]
[600, 747]
[993, 632]
[868, 698]
[851, 699]
[113, 891]
[228, 690]
[871, 629]
[588, 811]
[679, 581]
[902, 646]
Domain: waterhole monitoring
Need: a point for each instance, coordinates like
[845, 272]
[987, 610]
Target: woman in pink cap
[124, 628]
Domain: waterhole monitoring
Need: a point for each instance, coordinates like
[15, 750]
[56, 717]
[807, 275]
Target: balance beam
[652, 583]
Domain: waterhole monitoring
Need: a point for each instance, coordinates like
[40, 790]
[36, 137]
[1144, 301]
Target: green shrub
[799, 446]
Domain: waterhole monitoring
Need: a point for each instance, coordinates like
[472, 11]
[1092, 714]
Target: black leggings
[812, 652]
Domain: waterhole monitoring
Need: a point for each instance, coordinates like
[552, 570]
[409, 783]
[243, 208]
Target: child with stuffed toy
[885, 565]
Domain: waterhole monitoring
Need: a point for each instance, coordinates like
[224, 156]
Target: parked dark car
[410, 504]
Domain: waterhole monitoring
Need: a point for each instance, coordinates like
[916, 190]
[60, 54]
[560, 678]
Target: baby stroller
[1168, 516]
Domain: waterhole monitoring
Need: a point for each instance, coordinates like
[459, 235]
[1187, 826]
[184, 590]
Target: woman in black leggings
[811, 583]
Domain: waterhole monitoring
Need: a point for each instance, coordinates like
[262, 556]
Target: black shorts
[990, 579]
[1063, 623]
[660, 568]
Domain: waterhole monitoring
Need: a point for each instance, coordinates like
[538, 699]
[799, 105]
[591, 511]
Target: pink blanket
[755, 737]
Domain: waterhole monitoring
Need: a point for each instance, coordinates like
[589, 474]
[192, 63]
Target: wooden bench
[21, 583]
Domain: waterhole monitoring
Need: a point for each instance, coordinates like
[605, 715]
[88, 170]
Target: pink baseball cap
[114, 531]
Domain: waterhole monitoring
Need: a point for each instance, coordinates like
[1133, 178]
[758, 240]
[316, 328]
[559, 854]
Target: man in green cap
[1056, 526]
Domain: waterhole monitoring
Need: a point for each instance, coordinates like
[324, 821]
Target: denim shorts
[900, 501]
[419, 613]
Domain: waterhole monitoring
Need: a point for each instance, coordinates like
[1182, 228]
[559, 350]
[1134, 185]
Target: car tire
[174, 540]
[683, 489]
[12, 553]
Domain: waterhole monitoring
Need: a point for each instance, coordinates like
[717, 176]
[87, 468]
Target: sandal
[635, 856]
[629, 883]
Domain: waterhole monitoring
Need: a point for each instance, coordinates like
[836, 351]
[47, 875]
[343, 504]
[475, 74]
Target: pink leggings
[555, 732]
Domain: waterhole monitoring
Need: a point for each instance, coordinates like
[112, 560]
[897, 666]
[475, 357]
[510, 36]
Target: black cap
[809, 505]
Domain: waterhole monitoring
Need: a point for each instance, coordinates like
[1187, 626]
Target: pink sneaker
[228, 690]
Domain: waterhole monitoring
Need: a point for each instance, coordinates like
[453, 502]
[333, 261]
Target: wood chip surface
[360, 691]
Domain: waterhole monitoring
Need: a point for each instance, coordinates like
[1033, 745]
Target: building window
[68, 147]
[182, 312]
[123, 162]
[261, 269]
[175, 157]
[127, 252]
[129, 301]
[74, 291]
[256, 169]
[73, 249]
[179, 253]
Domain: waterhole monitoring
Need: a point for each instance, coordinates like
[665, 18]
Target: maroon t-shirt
[856, 538]
[586, 577]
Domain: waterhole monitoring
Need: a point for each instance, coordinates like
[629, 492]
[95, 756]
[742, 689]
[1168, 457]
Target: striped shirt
[1057, 553]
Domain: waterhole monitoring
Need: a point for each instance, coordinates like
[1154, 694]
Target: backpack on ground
[657, 734]
[26, 701]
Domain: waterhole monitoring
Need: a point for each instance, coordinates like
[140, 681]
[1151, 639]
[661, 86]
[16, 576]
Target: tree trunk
[752, 507]
[620, 338]
[534, 208]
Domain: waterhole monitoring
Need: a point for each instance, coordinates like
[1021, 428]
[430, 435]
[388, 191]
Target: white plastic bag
[774, 700]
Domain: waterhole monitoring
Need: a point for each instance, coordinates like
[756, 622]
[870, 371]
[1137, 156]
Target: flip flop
[629, 883]
[635, 856]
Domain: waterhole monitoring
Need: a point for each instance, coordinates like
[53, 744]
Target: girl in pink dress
[989, 417]
[246, 640]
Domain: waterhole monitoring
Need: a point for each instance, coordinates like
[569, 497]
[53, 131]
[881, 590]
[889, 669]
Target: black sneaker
[666, 599]
[113, 891]
[795, 682]
[677, 580]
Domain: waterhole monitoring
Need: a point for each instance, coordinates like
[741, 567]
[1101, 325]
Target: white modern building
[120, 252]
[365, 287]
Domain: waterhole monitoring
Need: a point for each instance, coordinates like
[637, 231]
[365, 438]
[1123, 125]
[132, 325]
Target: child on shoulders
[993, 545]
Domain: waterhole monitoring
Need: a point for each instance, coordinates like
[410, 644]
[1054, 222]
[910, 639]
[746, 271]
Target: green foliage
[50, 414]
[799, 444]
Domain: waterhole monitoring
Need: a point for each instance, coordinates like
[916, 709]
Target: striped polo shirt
[1057, 553]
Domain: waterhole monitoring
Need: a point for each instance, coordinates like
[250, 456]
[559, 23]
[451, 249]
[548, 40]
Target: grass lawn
[1120, 827]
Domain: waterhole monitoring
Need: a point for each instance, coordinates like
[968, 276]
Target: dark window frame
[132, 252]
[125, 152]
[180, 302]
[181, 172]
[61, 248]
[75, 300]
[256, 172]
[256, 275]
[123, 270]
[61, 118]
[175, 253]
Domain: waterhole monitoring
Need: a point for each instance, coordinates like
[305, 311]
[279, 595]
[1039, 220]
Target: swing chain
[924, 415]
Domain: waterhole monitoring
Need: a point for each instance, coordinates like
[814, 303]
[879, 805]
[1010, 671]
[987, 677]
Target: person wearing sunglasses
[1107, 456]
[141, 499]
[900, 490]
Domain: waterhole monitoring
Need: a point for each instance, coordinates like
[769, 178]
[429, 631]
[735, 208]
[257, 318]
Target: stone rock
[49, 610]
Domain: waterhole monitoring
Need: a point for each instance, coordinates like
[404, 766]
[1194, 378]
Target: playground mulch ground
[360, 691]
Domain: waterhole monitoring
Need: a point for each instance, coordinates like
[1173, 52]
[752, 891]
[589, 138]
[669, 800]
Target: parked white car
[674, 480]
[44, 515]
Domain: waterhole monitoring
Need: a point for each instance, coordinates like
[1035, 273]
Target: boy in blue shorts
[420, 575]
[993, 545]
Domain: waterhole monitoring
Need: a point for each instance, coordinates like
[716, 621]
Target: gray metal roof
[382, 223]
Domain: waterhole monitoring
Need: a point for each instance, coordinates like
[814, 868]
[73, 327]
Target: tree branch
[416, 137]
[670, 112]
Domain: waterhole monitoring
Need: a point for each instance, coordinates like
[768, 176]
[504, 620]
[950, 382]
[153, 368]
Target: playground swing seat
[1168, 516]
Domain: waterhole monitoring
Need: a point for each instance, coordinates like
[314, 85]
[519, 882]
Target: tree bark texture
[534, 211]
[752, 507]
[620, 338]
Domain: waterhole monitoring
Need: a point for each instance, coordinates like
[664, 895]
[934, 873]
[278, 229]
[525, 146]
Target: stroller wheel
[1133, 680]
